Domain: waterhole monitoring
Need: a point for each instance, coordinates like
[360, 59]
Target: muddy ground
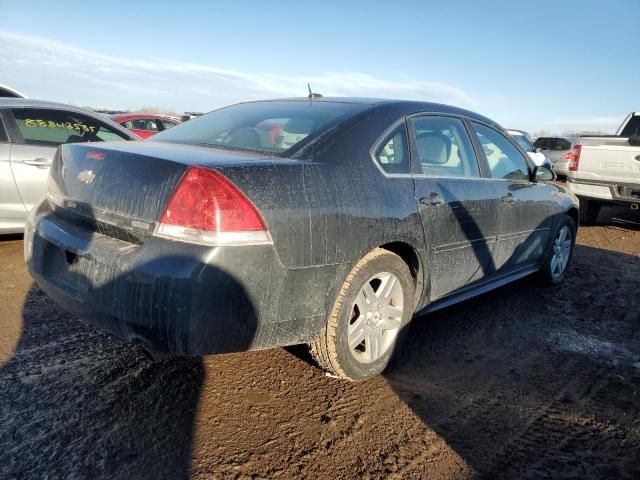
[524, 382]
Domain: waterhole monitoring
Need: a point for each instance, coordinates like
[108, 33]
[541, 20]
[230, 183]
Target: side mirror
[537, 149]
[634, 141]
[543, 174]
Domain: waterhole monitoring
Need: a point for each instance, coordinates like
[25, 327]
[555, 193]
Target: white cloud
[46, 69]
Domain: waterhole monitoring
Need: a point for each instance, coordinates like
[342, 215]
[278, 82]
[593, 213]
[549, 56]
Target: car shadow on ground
[77, 402]
[539, 381]
[10, 237]
[619, 216]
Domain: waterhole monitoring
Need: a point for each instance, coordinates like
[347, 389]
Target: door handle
[509, 198]
[433, 199]
[637, 157]
[39, 162]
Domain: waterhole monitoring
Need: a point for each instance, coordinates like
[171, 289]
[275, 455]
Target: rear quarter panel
[322, 214]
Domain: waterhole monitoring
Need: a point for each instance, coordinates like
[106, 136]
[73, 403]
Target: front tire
[560, 252]
[369, 318]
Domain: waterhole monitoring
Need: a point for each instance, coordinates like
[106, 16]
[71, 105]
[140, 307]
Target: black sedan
[329, 222]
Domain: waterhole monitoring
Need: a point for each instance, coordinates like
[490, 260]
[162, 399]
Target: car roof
[28, 102]
[13, 93]
[133, 116]
[409, 106]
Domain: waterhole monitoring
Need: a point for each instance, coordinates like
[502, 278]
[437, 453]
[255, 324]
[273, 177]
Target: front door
[457, 205]
[524, 208]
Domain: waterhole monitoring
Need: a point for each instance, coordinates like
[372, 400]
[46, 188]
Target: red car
[144, 125]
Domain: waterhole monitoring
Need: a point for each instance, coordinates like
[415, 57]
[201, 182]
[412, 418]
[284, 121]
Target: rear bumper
[174, 297]
[602, 190]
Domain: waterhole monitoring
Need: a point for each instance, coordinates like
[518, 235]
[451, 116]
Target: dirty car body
[343, 177]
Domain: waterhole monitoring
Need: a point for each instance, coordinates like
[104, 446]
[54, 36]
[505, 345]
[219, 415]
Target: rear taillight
[574, 158]
[207, 208]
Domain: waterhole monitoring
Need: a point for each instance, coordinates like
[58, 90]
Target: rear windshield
[552, 143]
[560, 144]
[632, 128]
[268, 127]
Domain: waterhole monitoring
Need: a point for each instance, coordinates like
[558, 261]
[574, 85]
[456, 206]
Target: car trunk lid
[121, 189]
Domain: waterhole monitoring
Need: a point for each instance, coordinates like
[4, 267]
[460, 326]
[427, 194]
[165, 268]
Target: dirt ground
[523, 382]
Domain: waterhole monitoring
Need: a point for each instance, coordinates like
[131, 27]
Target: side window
[632, 128]
[167, 124]
[54, 127]
[393, 154]
[3, 133]
[505, 161]
[523, 142]
[100, 132]
[106, 134]
[144, 124]
[443, 147]
[48, 127]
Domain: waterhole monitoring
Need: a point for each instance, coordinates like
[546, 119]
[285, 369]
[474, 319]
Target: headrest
[299, 125]
[433, 148]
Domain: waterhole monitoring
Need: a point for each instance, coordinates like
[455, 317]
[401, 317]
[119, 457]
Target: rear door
[41, 131]
[524, 208]
[457, 205]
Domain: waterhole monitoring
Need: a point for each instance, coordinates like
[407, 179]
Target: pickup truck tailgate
[611, 158]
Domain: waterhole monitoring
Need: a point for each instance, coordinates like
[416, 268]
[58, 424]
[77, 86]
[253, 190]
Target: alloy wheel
[376, 317]
[561, 251]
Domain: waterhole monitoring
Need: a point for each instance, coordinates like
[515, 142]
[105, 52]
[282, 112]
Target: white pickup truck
[606, 169]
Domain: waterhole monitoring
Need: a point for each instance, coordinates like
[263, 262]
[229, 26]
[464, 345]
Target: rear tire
[589, 210]
[560, 252]
[375, 304]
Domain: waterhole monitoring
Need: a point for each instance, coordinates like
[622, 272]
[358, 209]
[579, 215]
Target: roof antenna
[312, 95]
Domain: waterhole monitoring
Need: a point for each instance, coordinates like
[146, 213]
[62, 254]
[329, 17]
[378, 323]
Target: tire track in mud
[542, 438]
[563, 436]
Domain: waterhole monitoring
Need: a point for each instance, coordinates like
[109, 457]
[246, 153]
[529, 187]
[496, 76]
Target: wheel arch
[574, 215]
[409, 254]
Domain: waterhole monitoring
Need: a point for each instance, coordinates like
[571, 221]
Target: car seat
[294, 131]
[433, 148]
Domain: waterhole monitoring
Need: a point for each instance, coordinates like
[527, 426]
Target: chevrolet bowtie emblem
[86, 176]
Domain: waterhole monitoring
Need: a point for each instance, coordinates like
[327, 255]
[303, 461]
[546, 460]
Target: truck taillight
[574, 158]
[206, 208]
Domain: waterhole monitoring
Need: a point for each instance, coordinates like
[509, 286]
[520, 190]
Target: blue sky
[553, 65]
